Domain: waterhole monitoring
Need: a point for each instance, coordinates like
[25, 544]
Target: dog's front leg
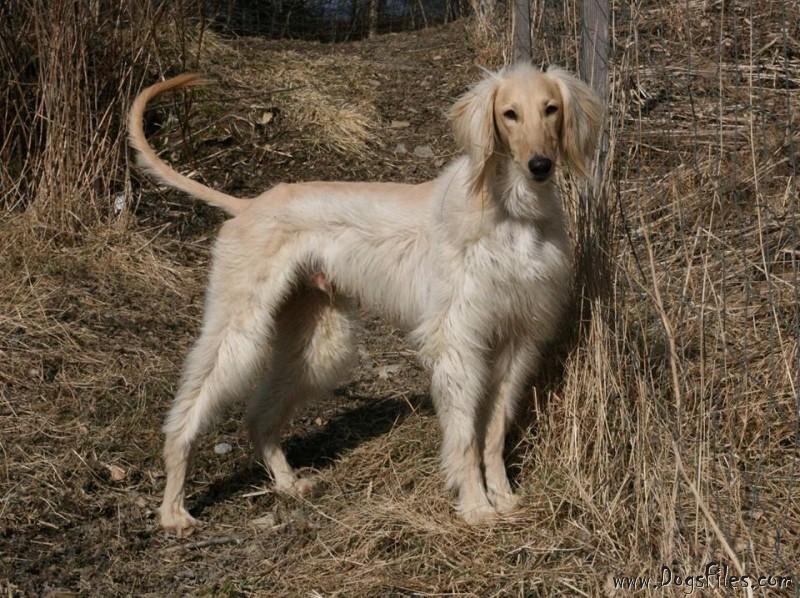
[458, 386]
[512, 369]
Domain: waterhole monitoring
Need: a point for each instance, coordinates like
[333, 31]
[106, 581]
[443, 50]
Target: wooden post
[594, 65]
[593, 220]
[594, 42]
[373, 18]
[522, 30]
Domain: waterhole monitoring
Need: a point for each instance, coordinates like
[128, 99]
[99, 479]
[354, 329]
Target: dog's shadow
[319, 448]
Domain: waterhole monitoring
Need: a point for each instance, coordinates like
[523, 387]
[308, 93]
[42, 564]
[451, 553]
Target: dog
[475, 265]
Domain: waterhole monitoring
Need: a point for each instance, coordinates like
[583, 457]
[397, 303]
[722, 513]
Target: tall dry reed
[68, 70]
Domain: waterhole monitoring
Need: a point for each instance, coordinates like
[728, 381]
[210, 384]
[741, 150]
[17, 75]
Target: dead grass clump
[325, 104]
[325, 99]
[487, 36]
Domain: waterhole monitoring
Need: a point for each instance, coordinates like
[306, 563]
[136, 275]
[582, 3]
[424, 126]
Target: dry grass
[328, 100]
[665, 430]
[488, 37]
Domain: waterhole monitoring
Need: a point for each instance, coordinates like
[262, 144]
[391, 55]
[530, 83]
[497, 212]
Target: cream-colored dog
[475, 264]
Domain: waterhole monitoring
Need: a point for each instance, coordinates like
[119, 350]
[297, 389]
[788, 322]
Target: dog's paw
[299, 488]
[504, 502]
[305, 487]
[178, 521]
[478, 514]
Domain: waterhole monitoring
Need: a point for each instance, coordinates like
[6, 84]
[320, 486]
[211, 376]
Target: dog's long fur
[475, 265]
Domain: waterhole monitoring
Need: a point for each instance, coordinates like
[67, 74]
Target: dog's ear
[474, 128]
[583, 117]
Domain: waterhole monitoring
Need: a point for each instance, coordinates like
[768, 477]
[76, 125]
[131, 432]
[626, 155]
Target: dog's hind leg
[313, 347]
[221, 367]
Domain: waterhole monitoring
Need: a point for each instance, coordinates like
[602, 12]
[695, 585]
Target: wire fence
[329, 20]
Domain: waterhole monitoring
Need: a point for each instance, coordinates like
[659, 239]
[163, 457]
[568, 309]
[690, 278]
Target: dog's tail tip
[196, 80]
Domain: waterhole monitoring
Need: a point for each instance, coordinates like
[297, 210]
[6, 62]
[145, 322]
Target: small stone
[400, 124]
[265, 521]
[223, 448]
[119, 203]
[363, 354]
[318, 421]
[116, 472]
[423, 151]
[386, 371]
[400, 148]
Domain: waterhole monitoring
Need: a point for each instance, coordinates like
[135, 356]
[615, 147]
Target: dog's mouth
[541, 178]
[534, 177]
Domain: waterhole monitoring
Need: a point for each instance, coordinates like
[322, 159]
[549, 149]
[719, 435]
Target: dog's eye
[510, 115]
[551, 109]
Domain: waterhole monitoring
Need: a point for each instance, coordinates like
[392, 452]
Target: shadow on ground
[319, 448]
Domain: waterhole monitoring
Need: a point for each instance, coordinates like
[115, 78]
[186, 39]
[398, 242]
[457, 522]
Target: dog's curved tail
[149, 161]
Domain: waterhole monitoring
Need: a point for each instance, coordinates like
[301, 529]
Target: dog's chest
[518, 271]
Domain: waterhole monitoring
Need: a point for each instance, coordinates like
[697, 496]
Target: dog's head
[532, 118]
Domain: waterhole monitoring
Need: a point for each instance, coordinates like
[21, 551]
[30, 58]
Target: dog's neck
[502, 196]
[518, 197]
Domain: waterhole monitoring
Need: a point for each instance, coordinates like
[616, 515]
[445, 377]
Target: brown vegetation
[664, 430]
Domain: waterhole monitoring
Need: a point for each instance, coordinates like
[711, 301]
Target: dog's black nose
[540, 167]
